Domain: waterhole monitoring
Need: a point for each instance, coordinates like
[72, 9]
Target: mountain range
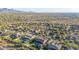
[5, 10]
[8, 10]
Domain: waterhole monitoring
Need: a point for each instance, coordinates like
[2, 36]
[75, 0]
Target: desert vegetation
[34, 31]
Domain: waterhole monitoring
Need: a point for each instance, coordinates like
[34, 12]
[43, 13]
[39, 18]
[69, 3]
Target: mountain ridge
[4, 10]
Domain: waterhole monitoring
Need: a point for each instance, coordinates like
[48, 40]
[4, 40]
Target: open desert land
[38, 31]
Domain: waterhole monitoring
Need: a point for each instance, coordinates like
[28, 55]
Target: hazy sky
[48, 9]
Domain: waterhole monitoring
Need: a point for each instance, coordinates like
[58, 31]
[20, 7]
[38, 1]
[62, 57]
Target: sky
[48, 9]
